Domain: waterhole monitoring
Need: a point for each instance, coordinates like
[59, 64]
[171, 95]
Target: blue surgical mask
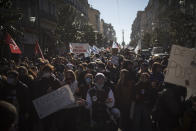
[88, 80]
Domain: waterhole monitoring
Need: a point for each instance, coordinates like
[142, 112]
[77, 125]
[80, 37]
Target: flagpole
[38, 18]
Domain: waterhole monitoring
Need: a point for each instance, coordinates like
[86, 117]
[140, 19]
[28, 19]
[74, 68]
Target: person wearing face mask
[17, 93]
[85, 85]
[83, 113]
[99, 99]
[124, 96]
[59, 72]
[112, 73]
[67, 118]
[80, 73]
[70, 79]
[46, 83]
[145, 99]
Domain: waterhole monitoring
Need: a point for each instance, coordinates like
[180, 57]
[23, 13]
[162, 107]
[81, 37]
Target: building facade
[107, 30]
[155, 25]
[38, 24]
[40, 20]
[94, 18]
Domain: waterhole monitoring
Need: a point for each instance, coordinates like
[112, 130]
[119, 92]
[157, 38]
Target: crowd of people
[113, 90]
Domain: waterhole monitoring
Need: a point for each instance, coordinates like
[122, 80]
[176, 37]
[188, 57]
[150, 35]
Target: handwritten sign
[78, 48]
[181, 68]
[54, 101]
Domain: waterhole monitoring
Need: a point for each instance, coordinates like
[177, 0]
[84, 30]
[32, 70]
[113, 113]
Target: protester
[143, 69]
[99, 99]
[156, 73]
[8, 117]
[124, 94]
[169, 107]
[86, 85]
[46, 83]
[111, 89]
[17, 93]
[70, 79]
[145, 99]
[189, 117]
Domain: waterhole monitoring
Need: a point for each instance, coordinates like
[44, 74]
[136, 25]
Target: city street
[97, 65]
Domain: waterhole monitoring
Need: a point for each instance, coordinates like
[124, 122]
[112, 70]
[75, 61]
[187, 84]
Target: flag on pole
[138, 47]
[38, 50]
[95, 49]
[12, 44]
[115, 45]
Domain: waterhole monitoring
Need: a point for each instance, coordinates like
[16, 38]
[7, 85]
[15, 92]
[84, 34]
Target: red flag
[12, 44]
[38, 50]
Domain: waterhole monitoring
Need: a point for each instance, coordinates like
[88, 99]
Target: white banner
[78, 48]
[181, 68]
[54, 101]
[138, 47]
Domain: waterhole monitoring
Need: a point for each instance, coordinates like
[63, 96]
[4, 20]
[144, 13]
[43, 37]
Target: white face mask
[99, 86]
[46, 75]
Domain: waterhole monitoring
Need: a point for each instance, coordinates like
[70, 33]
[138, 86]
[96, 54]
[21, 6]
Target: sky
[120, 13]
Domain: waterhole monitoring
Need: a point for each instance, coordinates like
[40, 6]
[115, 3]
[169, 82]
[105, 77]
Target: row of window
[48, 6]
[78, 5]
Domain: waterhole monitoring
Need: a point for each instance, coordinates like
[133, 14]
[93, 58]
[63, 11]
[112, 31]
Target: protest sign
[78, 48]
[115, 60]
[54, 101]
[181, 68]
[115, 45]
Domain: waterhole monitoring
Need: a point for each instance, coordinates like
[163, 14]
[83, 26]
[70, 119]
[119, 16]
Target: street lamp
[32, 19]
[95, 36]
[182, 5]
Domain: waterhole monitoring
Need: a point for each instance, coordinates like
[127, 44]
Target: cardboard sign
[181, 68]
[54, 101]
[78, 48]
